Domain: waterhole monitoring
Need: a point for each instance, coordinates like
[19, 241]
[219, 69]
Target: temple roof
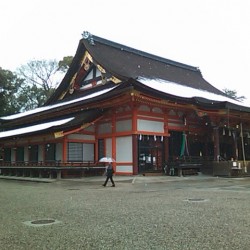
[128, 70]
[126, 63]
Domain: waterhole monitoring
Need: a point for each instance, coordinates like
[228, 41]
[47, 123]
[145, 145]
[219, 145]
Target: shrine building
[150, 114]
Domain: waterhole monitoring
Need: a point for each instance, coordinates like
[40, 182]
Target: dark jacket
[109, 170]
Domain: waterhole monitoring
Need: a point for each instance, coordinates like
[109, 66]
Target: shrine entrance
[150, 150]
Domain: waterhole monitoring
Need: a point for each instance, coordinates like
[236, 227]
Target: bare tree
[41, 73]
[41, 78]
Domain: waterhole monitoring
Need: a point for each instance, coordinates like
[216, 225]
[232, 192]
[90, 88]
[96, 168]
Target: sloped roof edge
[198, 97]
[89, 37]
[125, 62]
[57, 105]
[68, 76]
[34, 128]
[179, 72]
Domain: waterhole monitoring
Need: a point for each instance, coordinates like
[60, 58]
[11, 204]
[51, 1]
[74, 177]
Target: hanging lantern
[184, 120]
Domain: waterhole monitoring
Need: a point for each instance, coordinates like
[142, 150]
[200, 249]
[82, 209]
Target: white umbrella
[107, 159]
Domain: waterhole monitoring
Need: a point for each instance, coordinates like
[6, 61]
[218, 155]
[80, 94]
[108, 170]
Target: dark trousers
[107, 179]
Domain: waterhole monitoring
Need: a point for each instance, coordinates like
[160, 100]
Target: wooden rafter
[83, 126]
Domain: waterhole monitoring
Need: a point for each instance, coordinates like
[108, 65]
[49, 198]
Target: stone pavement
[141, 212]
[132, 179]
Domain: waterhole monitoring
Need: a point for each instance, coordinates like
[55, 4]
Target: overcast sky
[213, 35]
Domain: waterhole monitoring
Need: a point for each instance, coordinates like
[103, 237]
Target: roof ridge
[92, 38]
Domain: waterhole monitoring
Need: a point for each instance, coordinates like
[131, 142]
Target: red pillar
[134, 139]
[64, 153]
[135, 153]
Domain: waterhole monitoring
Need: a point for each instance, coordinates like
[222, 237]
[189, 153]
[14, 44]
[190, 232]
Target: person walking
[109, 175]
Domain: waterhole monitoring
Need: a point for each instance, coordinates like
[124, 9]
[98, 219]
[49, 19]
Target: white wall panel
[124, 169]
[124, 149]
[151, 126]
[109, 147]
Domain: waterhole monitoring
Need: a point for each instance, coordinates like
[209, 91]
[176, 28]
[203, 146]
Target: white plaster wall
[124, 169]
[151, 126]
[124, 151]
[108, 147]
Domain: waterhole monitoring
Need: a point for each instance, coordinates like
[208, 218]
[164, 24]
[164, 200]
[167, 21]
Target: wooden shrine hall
[150, 114]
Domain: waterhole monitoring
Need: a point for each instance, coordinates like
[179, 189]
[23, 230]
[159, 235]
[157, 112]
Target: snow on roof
[34, 128]
[176, 89]
[37, 110]
[157, 84]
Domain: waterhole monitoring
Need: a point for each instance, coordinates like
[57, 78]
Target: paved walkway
[132, 179]
[140, 213]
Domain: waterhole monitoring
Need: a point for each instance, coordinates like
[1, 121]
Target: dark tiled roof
[129, 65]
[79, 119]
[126, 62]
[83, 117]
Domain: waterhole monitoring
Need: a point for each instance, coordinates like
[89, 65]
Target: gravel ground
[140, 213]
